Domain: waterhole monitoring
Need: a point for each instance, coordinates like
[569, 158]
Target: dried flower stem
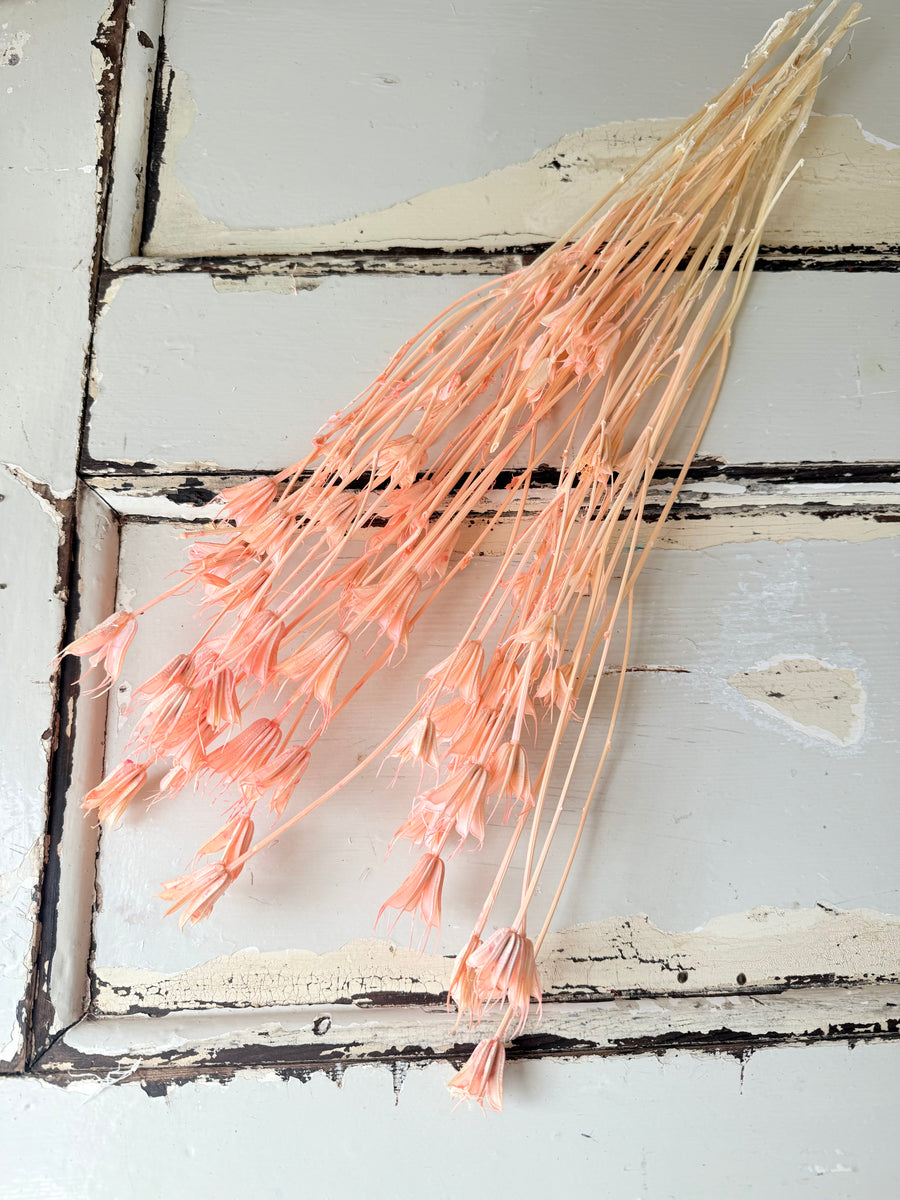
[590, 353]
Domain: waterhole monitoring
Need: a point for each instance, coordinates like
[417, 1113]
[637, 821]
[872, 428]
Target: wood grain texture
[191, 378]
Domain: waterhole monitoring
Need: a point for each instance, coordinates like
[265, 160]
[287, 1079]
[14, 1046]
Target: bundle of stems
[588, 356]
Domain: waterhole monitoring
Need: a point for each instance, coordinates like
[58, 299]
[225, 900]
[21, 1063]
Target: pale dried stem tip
[587, 357]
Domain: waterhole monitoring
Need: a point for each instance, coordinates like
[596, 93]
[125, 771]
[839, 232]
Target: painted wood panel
[191, 377]
[476, 124]
[785, 1123]
[54, 69]
[32, 602]
[725, 793]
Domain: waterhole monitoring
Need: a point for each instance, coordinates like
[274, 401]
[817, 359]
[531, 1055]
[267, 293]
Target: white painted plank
[477, 123]
[193, 378]
[125, 208]
[63, 986]
[31, 613]
[340, 1033]
[47, 195]
[787, 1122]
[716, 801]
[50, 74]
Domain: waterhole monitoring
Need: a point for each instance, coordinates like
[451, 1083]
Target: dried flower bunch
[588, 357]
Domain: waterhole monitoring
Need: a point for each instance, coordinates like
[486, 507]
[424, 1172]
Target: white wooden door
[282, 194]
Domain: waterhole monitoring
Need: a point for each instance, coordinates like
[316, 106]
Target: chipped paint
[767, 946]
[284, 285]
[12, 46]
[177, 1042]
[846, 193]
[811, 695]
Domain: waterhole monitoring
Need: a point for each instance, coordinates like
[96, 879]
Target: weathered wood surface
[190, 378]
[55, 70]
[477, 124]
[32, 602]
[725, 791]
[787, 1122]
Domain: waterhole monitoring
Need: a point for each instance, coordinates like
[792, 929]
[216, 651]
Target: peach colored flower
[174, 672]
[280, 776]
[213, 562]
[420, 892]
[247, 502]
[197, 892]
[451, 718]
[461, 670]
[462, 990]
[481, 1079]
[509, 776]
[106, 643]
[459, 802]
[401, 460]
[316, 667]
[505, 970]
[110, 798]
[231, 841]
[247, 752]
[555, 688]
[252, 648]
[389, 604]
[419, 743]
[219, 702]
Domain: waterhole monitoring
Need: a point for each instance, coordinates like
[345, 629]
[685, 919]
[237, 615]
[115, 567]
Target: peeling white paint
[38, 489]
[284, 285]
[764, 945]
[846, 192]
[811, 695]
[12, 47]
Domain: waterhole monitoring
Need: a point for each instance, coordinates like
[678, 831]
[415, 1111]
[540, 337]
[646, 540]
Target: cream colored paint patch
[765, 945]
[847, 192]
[813, 696]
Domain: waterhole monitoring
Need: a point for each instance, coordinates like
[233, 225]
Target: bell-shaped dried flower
[231, 840]
[458, 801]
[461, 670]
[242, 756]
[555, 688]
[106, 643]
[462, 990]
[173, 673]
[420, 893]
[219, 702]
[401, 460]
[281, 775]
[481, 1079]
[252, 648]
[197, 892]
[247, 502]
[110, 798]
[505, 970]
[419, 744]
[316, 667]
[509, 776]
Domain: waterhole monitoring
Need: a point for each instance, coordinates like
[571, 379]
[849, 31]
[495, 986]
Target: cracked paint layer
[846, 193]
[766, 946]
[811, 695]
